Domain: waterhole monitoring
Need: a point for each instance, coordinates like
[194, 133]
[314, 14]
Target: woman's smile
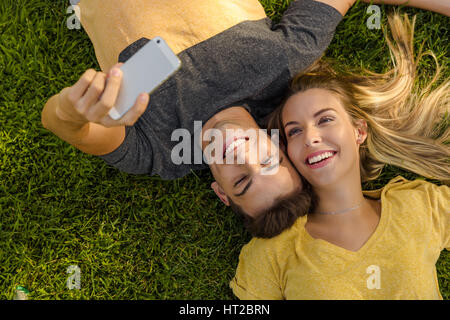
[320, 159]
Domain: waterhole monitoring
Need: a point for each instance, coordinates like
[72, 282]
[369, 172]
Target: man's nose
[246, 154]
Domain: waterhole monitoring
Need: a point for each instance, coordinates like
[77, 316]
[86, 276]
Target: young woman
[340, 130]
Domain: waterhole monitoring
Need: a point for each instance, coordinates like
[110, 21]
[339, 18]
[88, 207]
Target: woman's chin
[320, 177]
[322, 181]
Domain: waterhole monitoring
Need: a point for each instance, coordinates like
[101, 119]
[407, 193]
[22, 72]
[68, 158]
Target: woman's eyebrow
[315, 115]
[322, 111]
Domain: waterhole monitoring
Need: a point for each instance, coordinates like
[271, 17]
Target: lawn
[132, 237]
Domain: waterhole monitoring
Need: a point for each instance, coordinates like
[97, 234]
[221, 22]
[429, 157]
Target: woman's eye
[325, 119]
[293, 131]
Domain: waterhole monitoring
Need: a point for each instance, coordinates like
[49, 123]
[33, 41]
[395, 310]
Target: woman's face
[322, 142]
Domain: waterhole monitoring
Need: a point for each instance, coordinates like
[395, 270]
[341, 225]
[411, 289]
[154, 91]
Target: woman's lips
[321, 163]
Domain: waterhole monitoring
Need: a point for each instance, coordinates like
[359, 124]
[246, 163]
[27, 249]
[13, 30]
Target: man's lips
[230, 141]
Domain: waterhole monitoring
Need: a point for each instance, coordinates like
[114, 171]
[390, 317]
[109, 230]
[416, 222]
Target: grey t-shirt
[250, 65]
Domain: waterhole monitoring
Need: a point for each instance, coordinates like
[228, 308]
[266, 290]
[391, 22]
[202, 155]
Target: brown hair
[407, 127]
[281, 216]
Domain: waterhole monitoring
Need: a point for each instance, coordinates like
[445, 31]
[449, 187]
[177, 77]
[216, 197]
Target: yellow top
[397, 262]
[112, 25]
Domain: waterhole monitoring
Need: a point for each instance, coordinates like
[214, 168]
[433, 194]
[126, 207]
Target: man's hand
[91, 98]
[79, 114]
[340, 5]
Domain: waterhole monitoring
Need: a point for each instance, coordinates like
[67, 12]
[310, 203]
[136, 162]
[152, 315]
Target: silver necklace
[341, 211]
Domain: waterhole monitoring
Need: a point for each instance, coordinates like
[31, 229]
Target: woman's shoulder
[415, 187]
[415, 198]
[399, 186]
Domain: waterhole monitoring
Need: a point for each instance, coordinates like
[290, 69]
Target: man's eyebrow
[315, 115]
[245, 189]
[290, 123]
[275, 165]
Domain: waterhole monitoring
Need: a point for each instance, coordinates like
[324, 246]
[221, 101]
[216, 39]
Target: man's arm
[90, 137]
[439, 6]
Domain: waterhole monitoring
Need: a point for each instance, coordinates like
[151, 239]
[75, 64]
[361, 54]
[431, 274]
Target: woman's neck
[340, 202]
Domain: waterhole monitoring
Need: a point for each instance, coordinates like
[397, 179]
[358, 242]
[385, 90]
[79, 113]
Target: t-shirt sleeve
[134, 155]
[306, 30]
[439, 197]
[255, 277]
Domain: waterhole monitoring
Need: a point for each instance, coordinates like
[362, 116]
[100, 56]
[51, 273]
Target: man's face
[255, 171]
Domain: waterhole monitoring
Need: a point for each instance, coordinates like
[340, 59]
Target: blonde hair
[407, 127]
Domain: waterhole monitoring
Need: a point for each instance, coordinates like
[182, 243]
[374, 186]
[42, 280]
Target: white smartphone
[145, 71]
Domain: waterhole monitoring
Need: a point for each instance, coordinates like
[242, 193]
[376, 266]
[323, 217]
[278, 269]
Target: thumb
[117, 65]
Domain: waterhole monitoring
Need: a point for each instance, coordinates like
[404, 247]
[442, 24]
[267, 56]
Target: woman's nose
[312, 136]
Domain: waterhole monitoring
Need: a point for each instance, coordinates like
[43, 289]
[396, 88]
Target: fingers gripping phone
[145, 71]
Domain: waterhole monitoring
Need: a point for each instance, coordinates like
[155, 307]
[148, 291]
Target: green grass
[133, 237]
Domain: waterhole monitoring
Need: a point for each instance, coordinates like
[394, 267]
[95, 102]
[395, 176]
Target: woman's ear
[220, 193]
[360, 131]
